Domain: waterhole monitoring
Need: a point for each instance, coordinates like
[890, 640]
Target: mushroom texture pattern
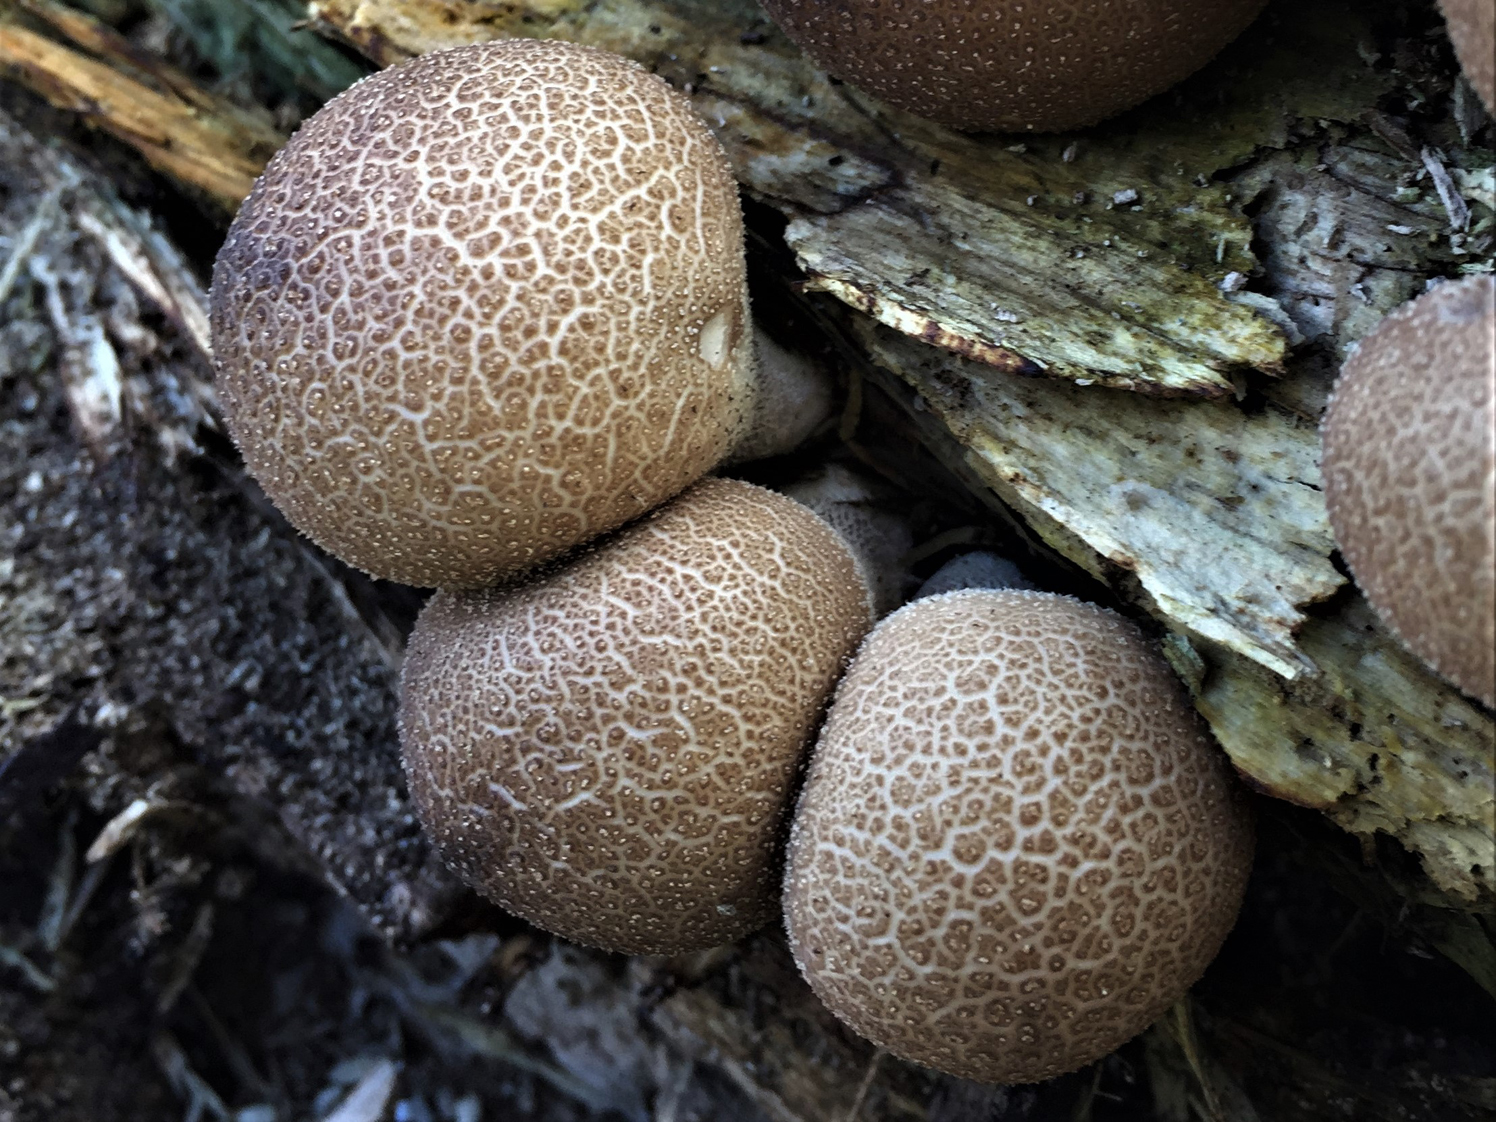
[483, 307]
[1410, 477]
[608, 751]
[1013, 65]
[1015, 847]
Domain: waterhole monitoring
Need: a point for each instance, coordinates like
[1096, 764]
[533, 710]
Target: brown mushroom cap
[485, 306]
[1409, 469]
[608, 750]
[1006, 65]
[1472, 30]
[1015, 847]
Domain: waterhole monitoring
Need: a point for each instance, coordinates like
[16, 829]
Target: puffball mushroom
[608, 750]
[483, 307]
[1012, 65]
[1409, 468]
[1015, 847]
[1472, 30]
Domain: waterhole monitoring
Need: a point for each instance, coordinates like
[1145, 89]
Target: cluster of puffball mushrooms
[483, 326]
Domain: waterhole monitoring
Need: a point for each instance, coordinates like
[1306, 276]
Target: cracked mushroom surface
[483, 307]
[1015, 847]
[608, 750]
[1409, 469]
[1013, 65]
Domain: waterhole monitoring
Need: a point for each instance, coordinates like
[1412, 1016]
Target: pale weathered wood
[201, 139]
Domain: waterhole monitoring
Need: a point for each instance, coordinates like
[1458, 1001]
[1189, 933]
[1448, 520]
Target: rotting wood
[1215, 511]
[200, 139]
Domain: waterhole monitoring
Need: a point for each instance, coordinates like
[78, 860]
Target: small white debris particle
[1449, 195]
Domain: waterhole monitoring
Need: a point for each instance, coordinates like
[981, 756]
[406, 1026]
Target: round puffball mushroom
[608, 751]
[1010, 66]
[1409, 467]
[483, 307]
[1015, 847]
[1472, 30]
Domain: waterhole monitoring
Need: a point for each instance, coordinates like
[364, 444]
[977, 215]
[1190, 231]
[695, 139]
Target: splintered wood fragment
[102, 41]
[1215, 511]
[179, 128]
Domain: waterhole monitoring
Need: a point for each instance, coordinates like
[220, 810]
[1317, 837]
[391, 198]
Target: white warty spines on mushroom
[609, 750]
[483, 307]
[1015, 847]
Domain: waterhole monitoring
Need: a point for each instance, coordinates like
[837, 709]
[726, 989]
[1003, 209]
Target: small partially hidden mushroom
[980, 568]
[1013, 65]
[608, 750]
[1409, 471]
[483, 307]
[1015, 847]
